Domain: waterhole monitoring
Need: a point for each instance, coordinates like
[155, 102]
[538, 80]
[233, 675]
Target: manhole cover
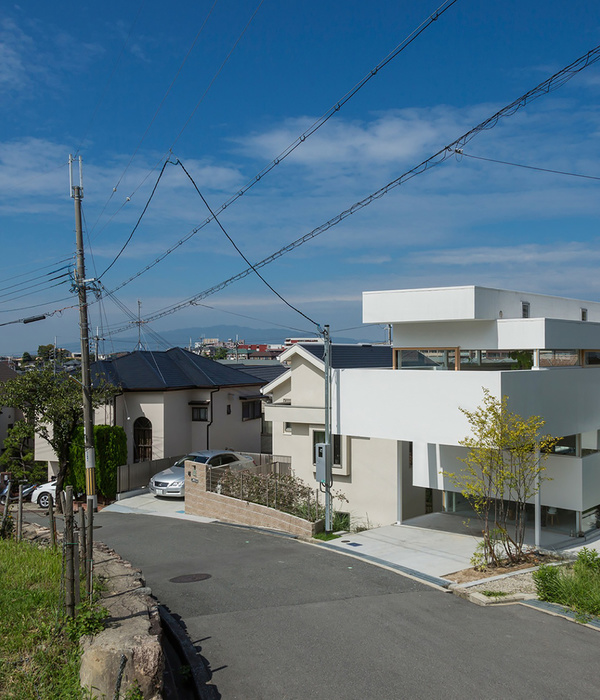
[189, 578]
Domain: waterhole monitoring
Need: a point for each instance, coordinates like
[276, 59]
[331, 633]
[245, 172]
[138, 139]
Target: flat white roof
[469, 303]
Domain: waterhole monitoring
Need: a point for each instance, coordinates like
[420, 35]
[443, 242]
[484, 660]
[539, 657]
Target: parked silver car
[171, 481]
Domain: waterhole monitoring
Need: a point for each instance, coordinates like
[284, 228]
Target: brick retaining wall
[199, 501]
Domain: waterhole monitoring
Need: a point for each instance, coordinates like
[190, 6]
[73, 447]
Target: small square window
[584, 314]
[525, 309]
[228, 409]
[287, 427]
[200, 413]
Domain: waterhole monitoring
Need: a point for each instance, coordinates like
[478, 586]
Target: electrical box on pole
[321, 463]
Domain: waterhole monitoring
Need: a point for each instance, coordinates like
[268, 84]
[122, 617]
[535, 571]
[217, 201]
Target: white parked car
[171, 481]
[44, 493]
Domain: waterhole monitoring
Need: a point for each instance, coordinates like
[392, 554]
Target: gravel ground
[519, 583]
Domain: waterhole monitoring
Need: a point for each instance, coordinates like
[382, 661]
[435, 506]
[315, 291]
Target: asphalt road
[282, 620]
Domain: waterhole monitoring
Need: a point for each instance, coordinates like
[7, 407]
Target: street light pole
[86, 380]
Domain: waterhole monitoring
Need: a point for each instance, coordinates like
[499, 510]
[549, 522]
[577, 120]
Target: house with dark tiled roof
[368, 471]
[174, 402]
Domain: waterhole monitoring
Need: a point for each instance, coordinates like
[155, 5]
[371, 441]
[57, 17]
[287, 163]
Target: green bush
[576, 587]
[111, 452]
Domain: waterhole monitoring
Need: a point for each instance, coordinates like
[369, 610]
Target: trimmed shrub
[111, 451]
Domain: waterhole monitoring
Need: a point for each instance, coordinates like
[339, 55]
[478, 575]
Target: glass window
[287, 427]
[592, 357]
[584, 314]
[525, 309]
[319, 436]
[559, 358]
[200, 413]
[251, 410]
[142, 440]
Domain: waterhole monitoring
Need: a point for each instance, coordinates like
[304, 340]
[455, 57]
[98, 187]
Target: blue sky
[92, 81]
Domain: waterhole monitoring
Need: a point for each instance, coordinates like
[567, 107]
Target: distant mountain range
[181, 337]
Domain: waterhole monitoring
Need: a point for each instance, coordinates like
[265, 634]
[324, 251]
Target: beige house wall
[374, 474]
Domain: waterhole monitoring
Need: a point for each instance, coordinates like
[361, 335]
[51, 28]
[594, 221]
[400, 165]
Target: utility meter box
[321, 462]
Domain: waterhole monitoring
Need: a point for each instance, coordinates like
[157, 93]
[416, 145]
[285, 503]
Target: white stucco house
[174, 402]
[372, 472]
[468, 335]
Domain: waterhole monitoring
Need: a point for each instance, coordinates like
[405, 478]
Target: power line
[461, 153]
[302, 138]
[230, 239]
[162, 102]
[28, 281]
[138, 221]
[553, 83]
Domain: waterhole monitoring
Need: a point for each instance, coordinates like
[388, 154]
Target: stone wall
[200, 501]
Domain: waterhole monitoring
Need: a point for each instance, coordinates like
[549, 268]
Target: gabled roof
[342, 357]
[176, 368]
[6, 372]
[264, 372]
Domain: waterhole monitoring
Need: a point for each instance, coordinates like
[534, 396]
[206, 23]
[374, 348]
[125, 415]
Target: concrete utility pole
[86, 380]
[328, 448]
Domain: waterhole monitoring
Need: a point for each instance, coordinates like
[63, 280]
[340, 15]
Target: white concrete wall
[469, 302]
[569, 482]
[423, 406]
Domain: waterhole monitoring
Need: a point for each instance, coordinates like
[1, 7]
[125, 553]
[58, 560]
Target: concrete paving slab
[148, 504]
[429, 551]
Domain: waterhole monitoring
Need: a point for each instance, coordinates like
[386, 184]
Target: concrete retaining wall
[199, 501]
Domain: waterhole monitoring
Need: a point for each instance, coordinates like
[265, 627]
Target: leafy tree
[26, 357]
[18, 457]
[502, 472]
[110, 442]
[51, 402]
[220, 354]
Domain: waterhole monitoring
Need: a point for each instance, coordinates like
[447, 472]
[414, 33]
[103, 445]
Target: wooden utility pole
[86, 381]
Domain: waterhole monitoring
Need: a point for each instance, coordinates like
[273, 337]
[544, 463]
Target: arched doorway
[142, 440]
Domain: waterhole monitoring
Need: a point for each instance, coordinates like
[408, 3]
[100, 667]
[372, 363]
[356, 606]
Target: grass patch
[494, 594]
[37, 657]
[325, 536]
[576, 587]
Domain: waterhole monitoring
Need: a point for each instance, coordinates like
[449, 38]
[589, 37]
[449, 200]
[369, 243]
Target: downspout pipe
[210, 422]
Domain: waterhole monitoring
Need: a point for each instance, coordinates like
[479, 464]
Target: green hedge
[111, 451]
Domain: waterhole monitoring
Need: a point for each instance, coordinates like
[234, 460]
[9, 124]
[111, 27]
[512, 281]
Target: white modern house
[372, 472]
[467, 335]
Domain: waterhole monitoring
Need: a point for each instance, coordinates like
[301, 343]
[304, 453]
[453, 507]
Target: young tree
[52, 403]
[18, 457]
[503, 471]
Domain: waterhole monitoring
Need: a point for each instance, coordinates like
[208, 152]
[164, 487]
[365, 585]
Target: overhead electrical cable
[141, 216]
[216, 75]
[553, 83]
[233, 243]
[27, 282]
[37, 269]
[300, 139]
[17, 294]
[461, 153]
[162, 102]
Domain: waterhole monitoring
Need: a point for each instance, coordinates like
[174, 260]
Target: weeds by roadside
[576, 587]
[39, 654]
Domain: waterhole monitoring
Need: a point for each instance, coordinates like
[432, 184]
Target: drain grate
[189, 578]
